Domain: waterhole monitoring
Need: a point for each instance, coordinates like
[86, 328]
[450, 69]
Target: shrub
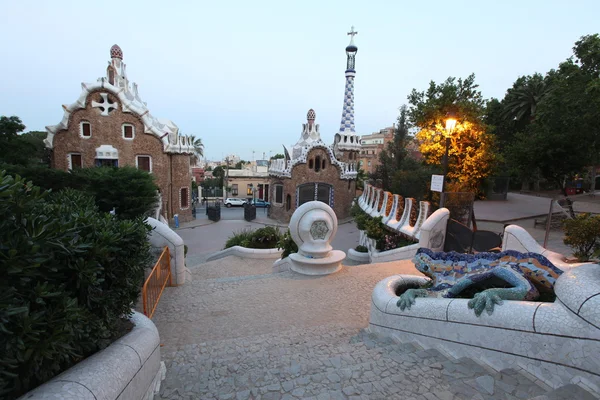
[583, 235]
[361, 249]
[262, 238]
[360, 217]
[239, 238]
[132, 192]
[287, 244]
[375, 229]
[70, 277]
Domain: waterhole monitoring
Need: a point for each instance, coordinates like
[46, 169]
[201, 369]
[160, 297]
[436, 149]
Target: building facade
[109, 125]
[314, 170]
[371, 146]
[249, 183]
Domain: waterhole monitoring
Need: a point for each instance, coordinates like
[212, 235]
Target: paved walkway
[237, 331]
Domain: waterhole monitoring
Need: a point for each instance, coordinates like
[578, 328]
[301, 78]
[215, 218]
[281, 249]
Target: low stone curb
[240, 251]
[358, 256]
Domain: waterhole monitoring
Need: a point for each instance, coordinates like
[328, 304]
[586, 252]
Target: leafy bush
[361, 249]
[70, 277]
[375, 229]
[287, 244]
[360, 217]
[262, 238]
[132, 192]
[583, 235]
[239, 238]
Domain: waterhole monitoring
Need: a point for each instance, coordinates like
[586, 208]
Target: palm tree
[198, 149]
[523, 98]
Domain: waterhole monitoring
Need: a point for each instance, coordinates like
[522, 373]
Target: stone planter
[245, 252]
[130, 368]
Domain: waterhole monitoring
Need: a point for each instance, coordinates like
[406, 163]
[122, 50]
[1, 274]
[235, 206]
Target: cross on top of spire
[352, 32]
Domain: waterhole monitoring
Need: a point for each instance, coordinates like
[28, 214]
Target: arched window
[323, 164]
[310, 163]
[288, 202]
[317, 163]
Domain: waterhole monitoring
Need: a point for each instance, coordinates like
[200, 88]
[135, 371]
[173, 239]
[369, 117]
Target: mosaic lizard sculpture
[521, 276]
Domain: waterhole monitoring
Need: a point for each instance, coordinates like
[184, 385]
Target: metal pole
[445, 165]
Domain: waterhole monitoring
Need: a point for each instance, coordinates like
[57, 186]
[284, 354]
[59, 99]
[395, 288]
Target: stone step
[291, 337]
[480, 384]
[567, 392]
[214, 375]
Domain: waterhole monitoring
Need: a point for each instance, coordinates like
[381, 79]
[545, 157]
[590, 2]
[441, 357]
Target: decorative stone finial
[116, 52]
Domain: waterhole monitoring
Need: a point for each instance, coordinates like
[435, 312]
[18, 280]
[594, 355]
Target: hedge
[71, 274]
[132, 192]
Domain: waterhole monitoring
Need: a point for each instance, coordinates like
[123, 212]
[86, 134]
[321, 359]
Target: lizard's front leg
[408, 298]
[521, 290]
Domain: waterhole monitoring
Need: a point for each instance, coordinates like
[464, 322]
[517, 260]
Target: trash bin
[176, 219]
[571, 191]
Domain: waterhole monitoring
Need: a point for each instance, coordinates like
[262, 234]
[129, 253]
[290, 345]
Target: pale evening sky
[242, 74]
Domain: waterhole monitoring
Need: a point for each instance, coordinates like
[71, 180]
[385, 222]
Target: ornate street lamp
[450, 124]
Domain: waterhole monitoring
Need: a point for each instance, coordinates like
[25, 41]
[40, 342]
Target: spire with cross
[347, 124]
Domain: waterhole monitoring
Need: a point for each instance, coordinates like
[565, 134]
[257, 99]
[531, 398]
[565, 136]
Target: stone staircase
[340, 363]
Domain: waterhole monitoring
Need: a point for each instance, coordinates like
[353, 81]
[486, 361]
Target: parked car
[260, 203]
[234, 202]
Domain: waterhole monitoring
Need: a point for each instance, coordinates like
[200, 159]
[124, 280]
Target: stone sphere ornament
[313, 226]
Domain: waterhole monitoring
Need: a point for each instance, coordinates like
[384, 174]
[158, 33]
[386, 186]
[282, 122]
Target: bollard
[176, 219]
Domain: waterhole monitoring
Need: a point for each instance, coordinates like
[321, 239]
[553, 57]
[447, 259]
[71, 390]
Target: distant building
[314, 170]
[198, 175]
[110, 125]
[248, 183]
[371, 146]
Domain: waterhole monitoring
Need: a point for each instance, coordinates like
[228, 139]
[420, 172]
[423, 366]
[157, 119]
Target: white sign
[437, 183]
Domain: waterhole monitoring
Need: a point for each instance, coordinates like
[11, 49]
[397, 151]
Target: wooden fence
[156, 282]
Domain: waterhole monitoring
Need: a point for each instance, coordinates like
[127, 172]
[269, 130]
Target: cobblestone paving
[265, 336]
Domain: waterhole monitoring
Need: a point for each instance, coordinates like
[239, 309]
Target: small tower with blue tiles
[347, 141]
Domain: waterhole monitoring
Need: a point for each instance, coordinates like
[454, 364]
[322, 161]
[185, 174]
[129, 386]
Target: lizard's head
[423, 263]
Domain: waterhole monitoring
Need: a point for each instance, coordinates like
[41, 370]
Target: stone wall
[343, 189]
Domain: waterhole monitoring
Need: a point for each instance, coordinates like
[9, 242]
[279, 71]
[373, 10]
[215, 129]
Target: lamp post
[450, 124]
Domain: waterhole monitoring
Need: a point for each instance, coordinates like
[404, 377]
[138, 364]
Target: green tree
[564, 138]
[198, 149]
[472, 155]
[521, 101]
[219, 173]
[277, 156]
[20, 149]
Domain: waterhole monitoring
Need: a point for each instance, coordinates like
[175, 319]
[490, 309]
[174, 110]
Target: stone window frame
[275, 186]
[70, 161]
[143, 155]
[234, 189]
[187, 198]
[132, 131]
[81, 135]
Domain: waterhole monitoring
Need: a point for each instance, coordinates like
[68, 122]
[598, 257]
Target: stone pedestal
[313, 226]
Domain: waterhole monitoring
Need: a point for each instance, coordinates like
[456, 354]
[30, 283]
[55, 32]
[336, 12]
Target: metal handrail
[156, 282]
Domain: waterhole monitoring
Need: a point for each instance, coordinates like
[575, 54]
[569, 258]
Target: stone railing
[400, 214]
[557, 342]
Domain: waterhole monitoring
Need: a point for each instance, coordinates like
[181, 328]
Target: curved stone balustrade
[556, 342]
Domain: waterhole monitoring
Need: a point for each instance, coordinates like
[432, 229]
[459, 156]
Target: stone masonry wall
[343, 190]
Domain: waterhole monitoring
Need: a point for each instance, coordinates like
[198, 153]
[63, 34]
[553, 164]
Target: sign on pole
[437, 183]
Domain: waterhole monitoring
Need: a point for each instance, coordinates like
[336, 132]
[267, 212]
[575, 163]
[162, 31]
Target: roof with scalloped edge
[163, 129]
